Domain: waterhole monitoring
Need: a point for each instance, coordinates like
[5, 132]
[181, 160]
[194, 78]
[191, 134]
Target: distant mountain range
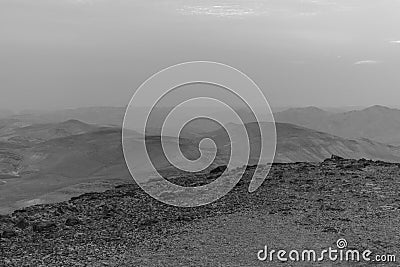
[40, 155]
[378, 123]
[96, 115]
[299, 144]
[42, 159]
[42, 132]
[34, 169]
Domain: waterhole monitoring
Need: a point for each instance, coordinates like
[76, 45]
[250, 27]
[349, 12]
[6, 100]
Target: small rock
[79, 235]
[60, 210]
[330, 230]
[72, 221]
[44, 226]
[22, 223]
[4, 218]
[8, 234]
[336, 158]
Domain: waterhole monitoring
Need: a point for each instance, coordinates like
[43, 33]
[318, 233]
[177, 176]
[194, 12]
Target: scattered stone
[72, 221]
[4, 218]
[44, 227]
[22, 223]
[336, 158]
[321, 199]
[330, 230]
[8, 234]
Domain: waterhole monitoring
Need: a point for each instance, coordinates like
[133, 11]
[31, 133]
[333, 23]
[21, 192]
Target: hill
[296, 143]
[302, 116]
[28, 174]
[56, 169]
[378, 123]
[16, 132]
[95, 115]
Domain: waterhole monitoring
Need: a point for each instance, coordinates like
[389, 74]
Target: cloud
[366, 62]
[302, 9]
[85, 2]
[219, 10]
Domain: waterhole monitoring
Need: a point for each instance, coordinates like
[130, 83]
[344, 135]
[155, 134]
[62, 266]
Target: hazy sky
[70, 53]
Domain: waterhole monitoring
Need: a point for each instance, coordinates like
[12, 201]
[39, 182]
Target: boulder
[22, 223]
[336, 158]
[8, 234]
[45, 226]
[72, 221]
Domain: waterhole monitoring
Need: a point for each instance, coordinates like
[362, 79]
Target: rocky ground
[299, 206]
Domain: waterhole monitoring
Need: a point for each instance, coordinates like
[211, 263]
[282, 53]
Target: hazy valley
[53, 156]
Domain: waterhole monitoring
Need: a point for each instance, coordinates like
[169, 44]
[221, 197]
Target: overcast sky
[70, 53]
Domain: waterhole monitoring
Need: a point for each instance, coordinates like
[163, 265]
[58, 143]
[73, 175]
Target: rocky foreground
[299, 206]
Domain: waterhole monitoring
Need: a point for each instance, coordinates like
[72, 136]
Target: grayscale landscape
[124, 124]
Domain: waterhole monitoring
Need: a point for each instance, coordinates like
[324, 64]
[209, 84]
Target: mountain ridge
[378, 123]
[30, 171]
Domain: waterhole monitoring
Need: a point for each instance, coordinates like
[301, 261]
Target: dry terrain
[299, 206]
